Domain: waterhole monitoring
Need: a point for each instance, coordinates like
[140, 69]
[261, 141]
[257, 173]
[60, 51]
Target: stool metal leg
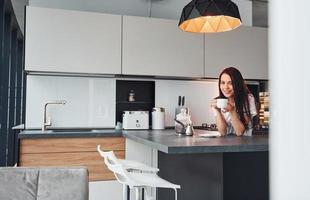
[128, 193]
[176, 194]
[147, 197]
[125, 197]
[137, 193]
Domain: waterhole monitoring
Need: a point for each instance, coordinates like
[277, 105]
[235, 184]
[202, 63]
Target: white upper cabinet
[158, 47]
[245, 48]
[72, 41]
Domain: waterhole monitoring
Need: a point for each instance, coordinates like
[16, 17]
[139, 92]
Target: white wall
[90, 101]
[289, 78]
[198, 95]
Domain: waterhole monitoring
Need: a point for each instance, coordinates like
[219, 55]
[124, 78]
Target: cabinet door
[158, 47]
[68, 151]
[72, 41]
[245, 48]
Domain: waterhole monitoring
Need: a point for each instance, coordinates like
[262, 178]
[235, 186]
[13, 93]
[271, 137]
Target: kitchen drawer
[92, 160]
[71, 144]
[71, 152]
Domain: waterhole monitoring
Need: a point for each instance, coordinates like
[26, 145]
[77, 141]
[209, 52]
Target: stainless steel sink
[70, 130]
[79, 131]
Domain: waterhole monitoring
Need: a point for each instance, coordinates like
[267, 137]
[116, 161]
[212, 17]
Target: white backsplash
[198, 95]
[90, 101]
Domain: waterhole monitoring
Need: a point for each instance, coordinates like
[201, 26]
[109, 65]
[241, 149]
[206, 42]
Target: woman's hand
[220, 121]
[213, 104]
[230, 107]
[215, 109]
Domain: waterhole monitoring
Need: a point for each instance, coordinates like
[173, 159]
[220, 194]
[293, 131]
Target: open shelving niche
[144, 97]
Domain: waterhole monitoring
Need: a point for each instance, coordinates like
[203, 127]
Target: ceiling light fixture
[210, 16]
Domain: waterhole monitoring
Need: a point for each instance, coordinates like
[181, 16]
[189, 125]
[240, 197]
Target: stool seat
[131, 165]
[149, 180]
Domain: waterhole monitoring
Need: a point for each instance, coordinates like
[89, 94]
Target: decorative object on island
[183, 123]
[210, 16]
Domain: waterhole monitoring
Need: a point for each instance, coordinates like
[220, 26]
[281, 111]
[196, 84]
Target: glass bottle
[131, 96]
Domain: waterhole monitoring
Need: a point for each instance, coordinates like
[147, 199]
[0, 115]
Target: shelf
[133, 102]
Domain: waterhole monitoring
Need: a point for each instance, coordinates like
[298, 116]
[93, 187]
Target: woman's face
[226, 86]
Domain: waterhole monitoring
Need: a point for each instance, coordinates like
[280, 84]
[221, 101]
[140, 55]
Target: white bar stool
[135, 175]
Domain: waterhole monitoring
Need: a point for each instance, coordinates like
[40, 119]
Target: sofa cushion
[52, 183]
[18, 184]
[63, 184]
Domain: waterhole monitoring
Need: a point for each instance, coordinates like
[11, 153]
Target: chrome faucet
[49, 122]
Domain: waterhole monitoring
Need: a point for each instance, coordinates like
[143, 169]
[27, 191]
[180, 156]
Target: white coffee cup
[221, 103]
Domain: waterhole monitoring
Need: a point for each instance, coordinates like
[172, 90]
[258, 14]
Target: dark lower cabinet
[215, 176]
[246, 176]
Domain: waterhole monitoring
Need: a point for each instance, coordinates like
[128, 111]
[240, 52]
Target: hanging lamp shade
[210, 16]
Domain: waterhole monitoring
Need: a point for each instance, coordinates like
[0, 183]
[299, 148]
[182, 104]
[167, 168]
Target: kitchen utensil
[158, 118]
[209, 127]
[178, 109]
[179, 127]
[189, 130]
[183, 101]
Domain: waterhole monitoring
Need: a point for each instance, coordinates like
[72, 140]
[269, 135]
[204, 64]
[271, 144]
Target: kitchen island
[215, 168]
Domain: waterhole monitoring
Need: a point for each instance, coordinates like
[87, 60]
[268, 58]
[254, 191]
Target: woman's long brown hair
[241, 92]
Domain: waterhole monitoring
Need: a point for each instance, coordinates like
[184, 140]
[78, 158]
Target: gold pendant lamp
[210, 16]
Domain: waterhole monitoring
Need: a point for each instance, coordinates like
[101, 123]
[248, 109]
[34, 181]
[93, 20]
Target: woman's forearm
[236, 123]
[221, 123]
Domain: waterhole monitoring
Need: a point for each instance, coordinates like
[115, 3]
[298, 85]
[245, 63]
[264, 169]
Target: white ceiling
[168, 9]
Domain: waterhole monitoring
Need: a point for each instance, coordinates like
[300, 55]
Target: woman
[236, 118]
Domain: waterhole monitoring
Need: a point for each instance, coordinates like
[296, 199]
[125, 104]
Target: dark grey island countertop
[164, 140]
[168, 142]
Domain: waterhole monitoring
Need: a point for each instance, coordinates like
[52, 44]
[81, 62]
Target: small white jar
[158, 118]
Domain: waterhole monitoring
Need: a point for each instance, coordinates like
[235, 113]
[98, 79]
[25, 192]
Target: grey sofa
[53, 183]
